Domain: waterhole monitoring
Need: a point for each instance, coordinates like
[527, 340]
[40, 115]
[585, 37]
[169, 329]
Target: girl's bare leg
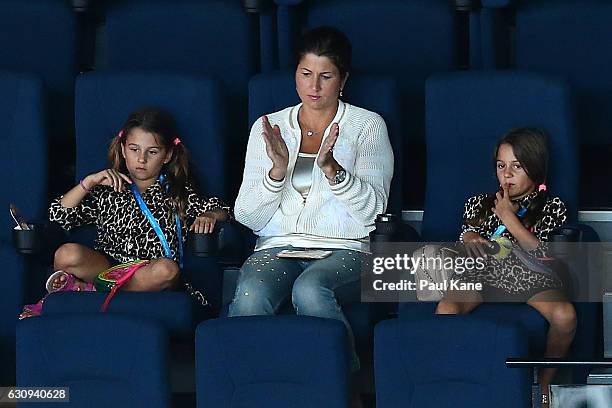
[561, 317]
[80, 261]
[159, 274]
[459, 302]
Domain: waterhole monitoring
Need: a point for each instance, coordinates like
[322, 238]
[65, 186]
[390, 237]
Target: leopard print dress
[509, 274]
[123, 231]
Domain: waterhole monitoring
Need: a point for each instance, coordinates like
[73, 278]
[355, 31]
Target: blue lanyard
[502, 228]
[145, 210]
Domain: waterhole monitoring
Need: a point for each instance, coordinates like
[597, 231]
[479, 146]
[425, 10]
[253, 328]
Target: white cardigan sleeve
[259, 196]
[365, 192]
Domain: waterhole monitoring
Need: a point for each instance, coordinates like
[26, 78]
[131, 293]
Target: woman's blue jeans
[317, 287]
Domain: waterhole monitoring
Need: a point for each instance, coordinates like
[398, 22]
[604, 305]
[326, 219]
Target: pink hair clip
[120, 134]
[542, 187]
[176, 141]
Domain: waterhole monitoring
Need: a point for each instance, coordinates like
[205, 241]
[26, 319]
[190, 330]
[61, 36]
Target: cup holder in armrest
[30, 241]
[204, 245]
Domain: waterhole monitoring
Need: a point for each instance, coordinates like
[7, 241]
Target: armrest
[512, 362]
[407, 233]
[567, 233]
[575, 248]
[40, 241]
[236, 243]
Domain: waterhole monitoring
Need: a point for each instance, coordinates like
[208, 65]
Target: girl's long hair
[531, 150]
[161, 124]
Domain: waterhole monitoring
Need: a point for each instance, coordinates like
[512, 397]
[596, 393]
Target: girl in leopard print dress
[146, 147]
[523, 213]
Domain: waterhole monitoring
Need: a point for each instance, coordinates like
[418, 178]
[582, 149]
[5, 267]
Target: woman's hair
[530, 148]
[327, 42]
[161, 124]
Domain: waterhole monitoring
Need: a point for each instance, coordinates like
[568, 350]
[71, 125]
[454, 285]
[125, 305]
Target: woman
[316, 176]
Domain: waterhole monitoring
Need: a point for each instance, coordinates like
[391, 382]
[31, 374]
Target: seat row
[420, 38]
[282, 361]
[466, 111]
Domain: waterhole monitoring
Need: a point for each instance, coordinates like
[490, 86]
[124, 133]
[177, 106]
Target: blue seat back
[287, 361]
[568, 38]
[444, 361]
[24, 165]
[105, 100]
[466, 114]
[419, 33]
[103, 359]
[39, 37]
[184, 36]
[171, 309]
[407, 40]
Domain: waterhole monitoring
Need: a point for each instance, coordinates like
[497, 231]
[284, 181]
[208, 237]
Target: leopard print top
[510, 274]
[123, 231]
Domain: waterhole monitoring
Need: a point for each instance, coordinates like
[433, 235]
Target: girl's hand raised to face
[108, 177]
[276, 149]
[503, 206]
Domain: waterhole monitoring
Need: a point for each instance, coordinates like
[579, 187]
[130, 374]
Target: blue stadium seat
[449, 361]
[24, 165]
[569, 38]
[104, 360]
[172, 309]
[466, 114]
[105, 99]
[205, 37]
[39, 37]
[281, 361]
[184, 36]
[103, 103]
[408, 40]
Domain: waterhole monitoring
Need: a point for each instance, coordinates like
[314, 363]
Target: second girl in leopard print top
[524, 213]
[146, 147]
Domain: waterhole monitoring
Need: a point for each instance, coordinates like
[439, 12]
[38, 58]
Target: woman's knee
[67, 255]
[307, 293]
[251, 299]
[254, 293]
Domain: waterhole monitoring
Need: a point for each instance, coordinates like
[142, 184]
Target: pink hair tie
[542, 187]
[177, 141]
[120, 134]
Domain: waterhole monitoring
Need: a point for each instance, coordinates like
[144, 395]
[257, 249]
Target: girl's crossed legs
[86, 263]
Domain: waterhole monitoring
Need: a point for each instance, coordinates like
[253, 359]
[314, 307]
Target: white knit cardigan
[346, 210]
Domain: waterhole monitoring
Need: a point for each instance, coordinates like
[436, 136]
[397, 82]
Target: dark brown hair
[161, 124]
[530, 148]
[327, 42]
